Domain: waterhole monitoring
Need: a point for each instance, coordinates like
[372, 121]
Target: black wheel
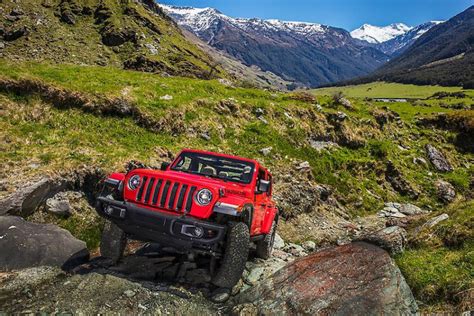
[265, 246]
[236, 253]
[113, 242]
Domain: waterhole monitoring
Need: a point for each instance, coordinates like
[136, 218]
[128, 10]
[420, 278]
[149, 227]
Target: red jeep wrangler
[202, 203]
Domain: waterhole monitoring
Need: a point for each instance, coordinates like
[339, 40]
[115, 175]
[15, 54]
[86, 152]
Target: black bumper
[144, 224]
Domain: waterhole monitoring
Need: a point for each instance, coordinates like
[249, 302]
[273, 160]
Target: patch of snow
[202, 19]
[377, 34]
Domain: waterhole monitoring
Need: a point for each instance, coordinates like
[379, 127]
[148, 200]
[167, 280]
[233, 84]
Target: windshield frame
[193, 155]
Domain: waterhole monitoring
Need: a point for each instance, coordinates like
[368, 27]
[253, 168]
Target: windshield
[227, 169]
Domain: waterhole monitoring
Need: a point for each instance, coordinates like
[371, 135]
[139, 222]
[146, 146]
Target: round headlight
[134, 182]
[204, 197]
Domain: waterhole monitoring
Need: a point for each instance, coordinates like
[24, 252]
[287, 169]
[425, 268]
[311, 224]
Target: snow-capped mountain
[376, 34]
[309, 53]
[399, 44]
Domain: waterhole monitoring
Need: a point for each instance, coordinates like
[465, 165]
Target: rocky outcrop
[395, 177]
[399, 210]
[393, 239]
[26, 199]
[438, 159]
[24, 244]
[355, 279]
[445, 191]
[50, 290]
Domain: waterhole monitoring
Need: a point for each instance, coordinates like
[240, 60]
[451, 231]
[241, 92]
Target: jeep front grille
[166, 194]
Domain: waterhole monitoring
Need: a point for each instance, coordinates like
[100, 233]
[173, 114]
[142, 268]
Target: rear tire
[113, 242]
[236, 254]
[265, 246]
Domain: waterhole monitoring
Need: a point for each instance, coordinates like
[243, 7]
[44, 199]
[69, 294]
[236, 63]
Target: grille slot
[157, 192]
[173, 195]
[164, 195]
[189, 201]
[142, 188]
[182, 193]
[148, 190]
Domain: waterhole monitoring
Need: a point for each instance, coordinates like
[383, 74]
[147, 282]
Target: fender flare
[270, 216]
[246, 215]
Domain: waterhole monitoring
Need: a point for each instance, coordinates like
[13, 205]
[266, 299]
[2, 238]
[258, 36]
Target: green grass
[440, 262]
[389, 90]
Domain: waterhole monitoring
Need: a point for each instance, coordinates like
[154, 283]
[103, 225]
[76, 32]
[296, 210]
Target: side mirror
[164, 166]
[263, 186]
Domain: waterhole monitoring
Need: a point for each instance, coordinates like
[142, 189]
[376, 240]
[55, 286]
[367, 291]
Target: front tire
[113, 242]
[265, 246]
[236, 254]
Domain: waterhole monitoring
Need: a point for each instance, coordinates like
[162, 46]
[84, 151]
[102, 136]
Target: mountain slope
[310, 53]
[443, 55]
[400, 43]
[376, 34]
[127, 34]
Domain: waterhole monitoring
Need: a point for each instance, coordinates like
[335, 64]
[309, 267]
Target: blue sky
[348, 14]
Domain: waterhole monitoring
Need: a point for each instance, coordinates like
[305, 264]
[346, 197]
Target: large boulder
[354, 279]
[24, 244]
[438, 159]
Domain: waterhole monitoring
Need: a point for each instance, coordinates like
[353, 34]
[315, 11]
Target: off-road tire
[113, 242]
[265, 245]
[236, 253]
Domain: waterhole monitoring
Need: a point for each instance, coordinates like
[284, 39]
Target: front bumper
[147, 225]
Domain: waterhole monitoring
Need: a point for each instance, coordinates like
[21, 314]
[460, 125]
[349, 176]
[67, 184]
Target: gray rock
[153, 50]
[436, 220]
[390, 211]
[58, 207]
[166, 97]
[266, 151]
[205, 136]
[2, 45]
[263, 120]
[254, 276]
[303, 166]
[225, 82]
[26, 199]
[445, 191]
[295, 250]
[341, 116]
[94, 293]
[332, 282]
[309, 246]
[278, 243]
[399, 182]
[259, 112]
[129, 293]
[346, 103]
[26, 244]
[320, 145]
[406, 209]
[420, 161]
[393, 239]
[438, 160]
[319, 108]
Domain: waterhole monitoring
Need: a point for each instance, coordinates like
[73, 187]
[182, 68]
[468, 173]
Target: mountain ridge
[310, 53]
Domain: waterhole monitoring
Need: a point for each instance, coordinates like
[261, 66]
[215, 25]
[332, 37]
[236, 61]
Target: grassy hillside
[60, 118]
[390, 90]
[121, 33]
